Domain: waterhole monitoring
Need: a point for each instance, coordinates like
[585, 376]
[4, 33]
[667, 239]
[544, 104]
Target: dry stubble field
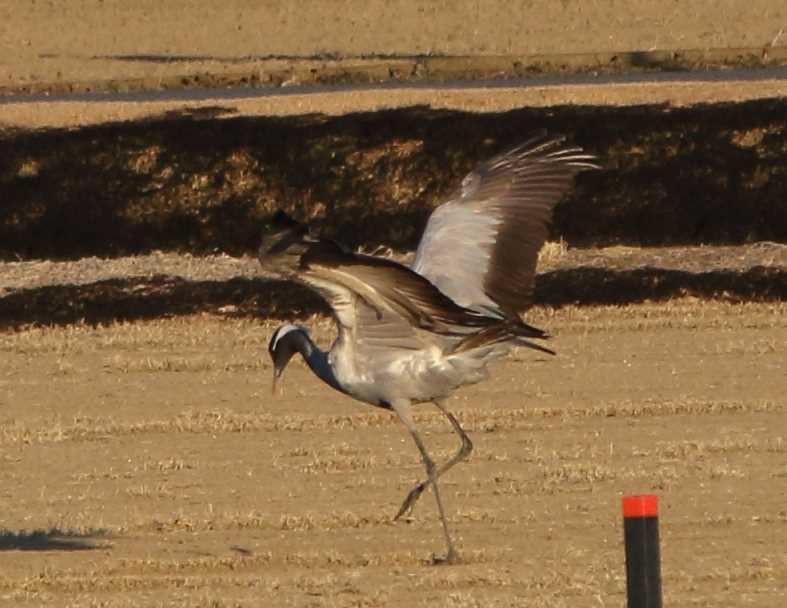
[146, 463]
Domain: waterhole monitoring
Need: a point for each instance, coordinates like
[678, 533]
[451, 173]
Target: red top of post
[643, 505]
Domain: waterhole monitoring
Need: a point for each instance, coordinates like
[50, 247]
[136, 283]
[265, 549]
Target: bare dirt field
[145, 462]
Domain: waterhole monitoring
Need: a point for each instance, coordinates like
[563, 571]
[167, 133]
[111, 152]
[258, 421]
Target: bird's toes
[402, 510]
[451, 558]
[410, 501]
[406, 507]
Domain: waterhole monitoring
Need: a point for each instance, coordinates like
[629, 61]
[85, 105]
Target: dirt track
[77, 113]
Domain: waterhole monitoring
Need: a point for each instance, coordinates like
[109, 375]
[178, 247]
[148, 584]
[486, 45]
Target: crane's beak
[281, 349]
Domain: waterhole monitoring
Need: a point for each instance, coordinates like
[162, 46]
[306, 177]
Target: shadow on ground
[163, 296]
[50, 540]
[205, 181]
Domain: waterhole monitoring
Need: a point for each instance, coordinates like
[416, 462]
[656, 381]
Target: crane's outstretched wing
[480, 248]
[347, 281]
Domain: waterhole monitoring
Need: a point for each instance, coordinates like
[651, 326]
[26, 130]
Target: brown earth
[147, 463]
[144, 460]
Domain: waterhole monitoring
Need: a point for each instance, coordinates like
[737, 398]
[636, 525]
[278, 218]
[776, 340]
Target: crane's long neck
[318, 361]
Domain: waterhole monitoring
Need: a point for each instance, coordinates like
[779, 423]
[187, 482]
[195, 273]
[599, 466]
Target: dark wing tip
[542, 155]
[550, 148]
[525, 183]
[279, 233]
[282, 218]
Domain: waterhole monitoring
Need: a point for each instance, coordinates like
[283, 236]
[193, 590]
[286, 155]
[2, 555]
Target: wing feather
[480, 248]
[379, 301]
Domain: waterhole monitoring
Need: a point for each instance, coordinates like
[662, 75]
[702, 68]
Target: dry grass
[85, 428]
[552, 252]
[159, 443]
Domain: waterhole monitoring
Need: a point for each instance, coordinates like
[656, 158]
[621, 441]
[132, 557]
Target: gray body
[422, 368]
[417, 334]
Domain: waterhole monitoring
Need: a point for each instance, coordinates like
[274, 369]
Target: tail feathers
[534, 346]
[507, 331]
[523, 330]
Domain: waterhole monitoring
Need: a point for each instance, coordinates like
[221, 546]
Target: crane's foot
[411, 499]
[451, 558]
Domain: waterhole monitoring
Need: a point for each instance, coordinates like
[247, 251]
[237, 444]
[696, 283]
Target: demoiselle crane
[409, 335]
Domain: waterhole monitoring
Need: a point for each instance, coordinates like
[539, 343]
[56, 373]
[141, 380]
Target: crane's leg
[461, 454]
[402, 409]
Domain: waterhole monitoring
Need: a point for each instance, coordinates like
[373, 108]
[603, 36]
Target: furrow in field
[88, 428]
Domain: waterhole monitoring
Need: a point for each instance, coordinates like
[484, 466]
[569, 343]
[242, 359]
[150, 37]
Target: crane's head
[285, 342]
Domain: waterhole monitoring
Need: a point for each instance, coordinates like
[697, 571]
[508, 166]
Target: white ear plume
[281, 332]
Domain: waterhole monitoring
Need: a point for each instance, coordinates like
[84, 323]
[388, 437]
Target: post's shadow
[52, 540]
